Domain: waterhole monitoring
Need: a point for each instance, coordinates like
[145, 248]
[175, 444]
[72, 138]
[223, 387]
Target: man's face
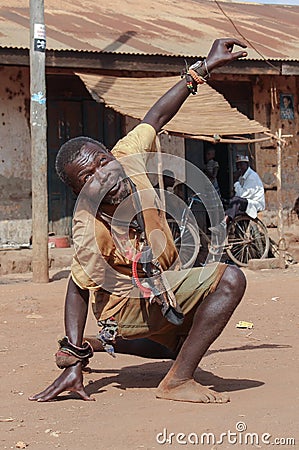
[242, 166]
[168, 181]
[101, 174]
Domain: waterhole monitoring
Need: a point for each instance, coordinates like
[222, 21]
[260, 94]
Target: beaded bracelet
[191, 83]
[197, 73]
[201, 68]
[198, 79]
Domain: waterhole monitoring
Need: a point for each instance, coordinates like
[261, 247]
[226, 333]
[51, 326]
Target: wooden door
[68, 119]
[64, 122]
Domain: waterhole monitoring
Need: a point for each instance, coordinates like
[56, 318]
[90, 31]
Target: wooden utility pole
[38, 126]
[280, 227]
[281, 240]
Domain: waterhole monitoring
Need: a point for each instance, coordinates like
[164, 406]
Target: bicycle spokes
[247, 239]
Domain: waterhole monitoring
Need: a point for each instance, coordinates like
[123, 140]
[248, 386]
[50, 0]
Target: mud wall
[268, 93]
[15, 166]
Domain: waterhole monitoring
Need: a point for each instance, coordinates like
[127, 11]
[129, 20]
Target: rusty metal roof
[168, 27]
[205, 115]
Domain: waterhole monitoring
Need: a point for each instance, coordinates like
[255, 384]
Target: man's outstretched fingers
[232, 41]
[43, 394]
[70, 380]
[51, 393]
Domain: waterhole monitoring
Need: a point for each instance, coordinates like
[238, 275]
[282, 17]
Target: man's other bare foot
[189, 391]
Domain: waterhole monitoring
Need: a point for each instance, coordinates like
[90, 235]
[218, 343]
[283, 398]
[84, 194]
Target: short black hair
[69, 152]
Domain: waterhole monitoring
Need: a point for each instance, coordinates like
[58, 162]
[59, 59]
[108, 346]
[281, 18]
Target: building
[152, 42]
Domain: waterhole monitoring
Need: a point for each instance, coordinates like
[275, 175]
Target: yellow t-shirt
[98, 264]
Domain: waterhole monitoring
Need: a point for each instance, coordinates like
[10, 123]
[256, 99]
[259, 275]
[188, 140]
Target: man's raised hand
[221, 52]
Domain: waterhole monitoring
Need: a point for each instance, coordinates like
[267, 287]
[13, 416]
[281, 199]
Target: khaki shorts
[140, 319]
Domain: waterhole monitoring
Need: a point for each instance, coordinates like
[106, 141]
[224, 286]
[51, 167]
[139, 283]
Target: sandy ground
[259, 368]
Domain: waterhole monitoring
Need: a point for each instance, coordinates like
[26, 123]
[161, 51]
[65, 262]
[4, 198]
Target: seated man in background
[249, 191]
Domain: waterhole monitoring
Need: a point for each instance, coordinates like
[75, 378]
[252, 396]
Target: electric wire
[245, 39]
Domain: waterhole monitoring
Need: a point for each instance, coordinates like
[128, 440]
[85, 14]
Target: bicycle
[245, 239]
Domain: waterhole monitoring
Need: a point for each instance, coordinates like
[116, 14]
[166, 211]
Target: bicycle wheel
[247, 239]
[188, 245]
[174, 228]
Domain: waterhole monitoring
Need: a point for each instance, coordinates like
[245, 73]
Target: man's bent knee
[233, 282]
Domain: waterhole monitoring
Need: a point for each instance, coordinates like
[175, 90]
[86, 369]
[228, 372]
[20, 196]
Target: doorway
[71, 112]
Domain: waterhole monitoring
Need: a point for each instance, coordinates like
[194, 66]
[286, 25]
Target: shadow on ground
[149, 375]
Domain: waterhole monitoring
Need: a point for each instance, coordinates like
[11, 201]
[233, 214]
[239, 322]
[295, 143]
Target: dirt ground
[258, 367]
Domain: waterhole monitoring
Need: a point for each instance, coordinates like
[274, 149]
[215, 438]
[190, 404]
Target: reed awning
[206, 116]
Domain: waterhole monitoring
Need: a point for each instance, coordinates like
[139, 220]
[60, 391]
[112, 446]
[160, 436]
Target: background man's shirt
[250, 186]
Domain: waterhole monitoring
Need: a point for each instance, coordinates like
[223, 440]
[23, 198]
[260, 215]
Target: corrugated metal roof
[169, 27]
[204, 114]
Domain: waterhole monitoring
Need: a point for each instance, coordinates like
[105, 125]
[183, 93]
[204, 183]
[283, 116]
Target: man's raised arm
[168, 105]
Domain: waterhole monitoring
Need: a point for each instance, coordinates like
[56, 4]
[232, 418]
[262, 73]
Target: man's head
[210, 153]
[168, 178]
[242, 163]
[82, 161]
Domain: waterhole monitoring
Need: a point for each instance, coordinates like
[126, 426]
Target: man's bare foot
[189, 391]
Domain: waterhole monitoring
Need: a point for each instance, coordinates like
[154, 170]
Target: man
[187, 316]
[168, 180]
[249, 191]
[212, 167]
